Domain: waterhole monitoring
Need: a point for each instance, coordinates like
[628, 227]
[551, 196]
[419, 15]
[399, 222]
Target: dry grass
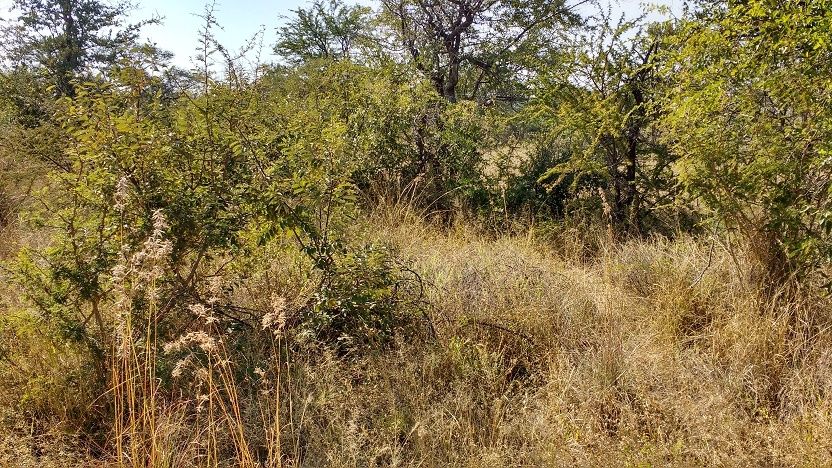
[650, 353]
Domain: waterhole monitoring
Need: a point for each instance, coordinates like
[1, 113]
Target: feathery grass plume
[134, 382]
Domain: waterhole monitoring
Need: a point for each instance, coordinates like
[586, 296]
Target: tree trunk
[69, 56]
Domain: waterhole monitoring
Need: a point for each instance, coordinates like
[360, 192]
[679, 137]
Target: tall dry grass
[547, 353]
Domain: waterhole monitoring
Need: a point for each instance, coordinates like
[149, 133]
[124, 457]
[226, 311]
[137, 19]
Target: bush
[749, 117]
[365, 298]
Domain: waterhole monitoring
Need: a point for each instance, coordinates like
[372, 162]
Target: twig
[702, 273]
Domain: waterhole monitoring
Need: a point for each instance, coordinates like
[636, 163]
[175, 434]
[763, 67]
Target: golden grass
[650, 353]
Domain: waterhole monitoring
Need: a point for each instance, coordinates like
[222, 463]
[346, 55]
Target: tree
[63, 38]
[464, 45]
[749, 117]
[600, 104]
[328, 29]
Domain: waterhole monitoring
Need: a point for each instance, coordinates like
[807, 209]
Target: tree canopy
[65, 38]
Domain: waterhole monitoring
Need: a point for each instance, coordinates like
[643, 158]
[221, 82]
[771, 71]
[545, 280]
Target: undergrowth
[525, 352]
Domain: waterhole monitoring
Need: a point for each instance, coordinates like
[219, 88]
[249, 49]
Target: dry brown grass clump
[658, 352]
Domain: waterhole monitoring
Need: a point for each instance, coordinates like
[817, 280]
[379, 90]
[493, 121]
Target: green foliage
[381, 131]
[750, 119]
[472, 49]
[524, 192]
[364, 299]
[49, 380]
[63, 38]
[328, 29]
[224, 170]
[25, 98]
[599, 104]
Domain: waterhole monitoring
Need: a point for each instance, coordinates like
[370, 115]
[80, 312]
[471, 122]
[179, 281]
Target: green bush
[749, 117]
[364, 299]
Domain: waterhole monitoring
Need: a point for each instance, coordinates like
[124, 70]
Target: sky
[242, 19]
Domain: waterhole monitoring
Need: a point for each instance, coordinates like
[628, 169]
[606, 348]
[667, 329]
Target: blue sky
[241, 19]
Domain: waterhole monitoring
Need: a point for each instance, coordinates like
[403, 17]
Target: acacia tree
[599, 103]
[62, 38]
[750, 117]
[328, 29]
[463, 46]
